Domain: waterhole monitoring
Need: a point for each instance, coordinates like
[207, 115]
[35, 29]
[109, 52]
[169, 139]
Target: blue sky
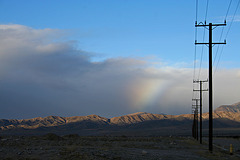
[132, 28]
[70, 57]
[114, 28]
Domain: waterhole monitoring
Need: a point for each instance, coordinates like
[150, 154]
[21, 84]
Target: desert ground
[52, 147]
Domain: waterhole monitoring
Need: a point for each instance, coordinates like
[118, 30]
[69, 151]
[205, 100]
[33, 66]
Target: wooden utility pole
[195, 121]
[200, 106]
[210, 45]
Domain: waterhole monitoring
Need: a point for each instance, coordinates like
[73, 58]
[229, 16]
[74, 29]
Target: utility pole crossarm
[198, 81]
[195, 99]
[200, 90]
[212, 43]
[207, 25]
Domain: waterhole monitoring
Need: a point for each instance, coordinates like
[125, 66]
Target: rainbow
[147, 92]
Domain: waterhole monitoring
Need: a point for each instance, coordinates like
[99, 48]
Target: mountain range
[225, 116]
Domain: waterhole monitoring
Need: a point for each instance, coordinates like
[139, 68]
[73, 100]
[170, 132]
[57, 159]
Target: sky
[113, 57]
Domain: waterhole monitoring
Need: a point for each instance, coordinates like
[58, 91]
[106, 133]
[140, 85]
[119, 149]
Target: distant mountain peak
[235, 108]
[226, 113]
[236, 104]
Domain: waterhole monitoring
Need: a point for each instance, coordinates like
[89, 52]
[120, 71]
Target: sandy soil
[51, 146]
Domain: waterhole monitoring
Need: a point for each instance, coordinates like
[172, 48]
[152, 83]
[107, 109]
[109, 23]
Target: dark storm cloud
[41, 75]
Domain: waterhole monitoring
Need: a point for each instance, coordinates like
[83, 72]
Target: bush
[71, 136]
[52, 137]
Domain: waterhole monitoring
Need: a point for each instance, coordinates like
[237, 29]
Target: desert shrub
[124, 136]
[8, 158]
[30, 158]
[235, 137]
[34, 138]
[52, 137]
[71, 136]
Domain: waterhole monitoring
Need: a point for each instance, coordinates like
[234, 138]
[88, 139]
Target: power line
[218, 46]
[196, 10]
[232, 18]
[206, 12]
[227, 32]
[228, 10]
[195, 53]
[225, 19]
[195, 50]
[205, 20]
[200, 66]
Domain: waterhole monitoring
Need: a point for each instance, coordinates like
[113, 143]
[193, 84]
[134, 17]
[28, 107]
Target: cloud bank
[41, 75]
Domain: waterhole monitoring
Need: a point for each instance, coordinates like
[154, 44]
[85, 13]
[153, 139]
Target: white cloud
[236, 18]
[229, 19]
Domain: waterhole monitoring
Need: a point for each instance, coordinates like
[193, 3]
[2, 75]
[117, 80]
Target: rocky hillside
[49, 121]
[235, 108]
[228, 115]
[52, 121]
[136, 118]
